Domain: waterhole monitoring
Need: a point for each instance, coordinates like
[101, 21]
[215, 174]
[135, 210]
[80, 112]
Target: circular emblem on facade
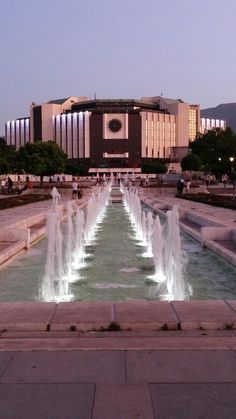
[115, 125]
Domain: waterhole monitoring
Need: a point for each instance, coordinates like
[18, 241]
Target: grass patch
[16, 201]
[210, 199]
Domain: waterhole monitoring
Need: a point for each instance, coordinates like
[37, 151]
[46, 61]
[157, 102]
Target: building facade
[17, 132]
[117, 133]
[210, 123]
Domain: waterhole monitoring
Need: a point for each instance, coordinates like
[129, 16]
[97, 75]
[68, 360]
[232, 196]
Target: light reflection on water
[116, 270]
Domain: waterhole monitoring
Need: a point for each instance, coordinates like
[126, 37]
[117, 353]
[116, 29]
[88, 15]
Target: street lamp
[233, 175]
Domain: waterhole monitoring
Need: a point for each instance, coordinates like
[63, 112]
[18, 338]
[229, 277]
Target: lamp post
[219, 168]
[233, 175]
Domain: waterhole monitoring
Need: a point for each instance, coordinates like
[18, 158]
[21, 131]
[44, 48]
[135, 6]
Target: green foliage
[83, 170]
[191, 162]
[16, 201]
[72, 168]
[154, 168]
[7, 157]
[211, 199]
[214, 149]
[75, 168]
[41, 159]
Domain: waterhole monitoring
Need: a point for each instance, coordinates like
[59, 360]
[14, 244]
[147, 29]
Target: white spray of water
[173, 257]
[163, 244]
[79, 251]
[157, 250]
[56, 284]
[54, 269]
[69, 242]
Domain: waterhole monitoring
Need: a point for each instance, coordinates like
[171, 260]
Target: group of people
[210, 179]
[7, 185]
[181, 184]
[224, 179]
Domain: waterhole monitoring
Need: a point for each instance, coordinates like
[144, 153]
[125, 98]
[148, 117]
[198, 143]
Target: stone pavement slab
[194, 401]
[5, 358]
[232, 303]
[129, 401]
[66, 367]
[25, 316]
[145, 315]
[144, 333]
[180, 366]
[205, 314]
[82, 316]
[203, 343]
[46, 401]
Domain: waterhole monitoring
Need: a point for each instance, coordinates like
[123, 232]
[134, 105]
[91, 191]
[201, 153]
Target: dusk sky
[116, 49]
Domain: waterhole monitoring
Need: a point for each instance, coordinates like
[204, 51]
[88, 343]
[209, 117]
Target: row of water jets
[163, 243]
[66, 257]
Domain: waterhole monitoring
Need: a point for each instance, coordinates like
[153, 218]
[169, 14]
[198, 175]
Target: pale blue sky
[118, 49]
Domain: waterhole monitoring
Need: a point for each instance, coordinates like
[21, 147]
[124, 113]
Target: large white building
[111, 133]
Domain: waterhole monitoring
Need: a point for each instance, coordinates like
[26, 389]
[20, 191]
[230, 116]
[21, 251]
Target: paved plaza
[169, 360]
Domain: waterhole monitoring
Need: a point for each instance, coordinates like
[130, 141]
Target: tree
[76, 168]
[154, 168]
[214, 148]
[191, 162]
[7, 157]
[41, 159]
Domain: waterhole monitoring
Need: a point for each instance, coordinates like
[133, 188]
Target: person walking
[9, 185]
[74, 189]
[224, 179]
[3, 186]
[188, 184]
[180, 186]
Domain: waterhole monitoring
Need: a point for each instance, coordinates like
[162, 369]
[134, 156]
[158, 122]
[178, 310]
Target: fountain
[56, 284]
[173, 257]
[158, 250]
[115, 267]
[79, 251]
[52, 283]
[167, 253]
[69, 242]
[55, 197]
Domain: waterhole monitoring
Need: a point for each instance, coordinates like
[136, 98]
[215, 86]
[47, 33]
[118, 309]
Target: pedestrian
[208, 178]
[3, 185]
[29, 184]
[188, 184]
[224, 179]
[19, 186]
[80, 194]
[74, 189]
[9, 185]
[180, 186]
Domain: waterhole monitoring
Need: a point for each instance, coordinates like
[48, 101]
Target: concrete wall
[48, 111]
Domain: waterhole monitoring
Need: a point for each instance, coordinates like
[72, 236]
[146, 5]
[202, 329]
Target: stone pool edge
[121, 316]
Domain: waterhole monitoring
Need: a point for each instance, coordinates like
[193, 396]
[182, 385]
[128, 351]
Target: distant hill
[226, 111]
